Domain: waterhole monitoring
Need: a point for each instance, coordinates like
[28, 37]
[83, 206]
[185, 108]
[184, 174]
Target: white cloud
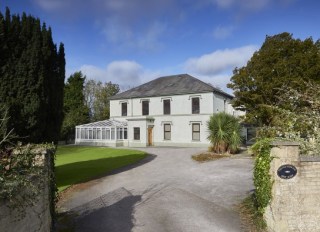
[218, 80]
[255, 5]
[135, 24]
[247, 5]
[216, 67]
[222, 32]
[125, 73]
[51, 5]
[224, 3]
[150, 40]
[220, 61]
[127, 37]
[120, 72]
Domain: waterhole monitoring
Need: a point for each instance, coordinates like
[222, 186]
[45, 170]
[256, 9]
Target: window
[104, 135]
[78, 133]
[136, 133]
[196, 131]
[87, 133]
[112, 133]
[124, 109]
[98, 133]
[145, 107]
[108, 134]
[94, 133]
[119, 133]
[167, 132]
[125, 135]
[166, 106]
[83, 133]
[195, 105]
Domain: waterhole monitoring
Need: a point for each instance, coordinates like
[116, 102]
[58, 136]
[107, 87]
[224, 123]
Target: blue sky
[130, 42]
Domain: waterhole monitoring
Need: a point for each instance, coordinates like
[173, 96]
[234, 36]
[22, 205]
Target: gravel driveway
[167, 191]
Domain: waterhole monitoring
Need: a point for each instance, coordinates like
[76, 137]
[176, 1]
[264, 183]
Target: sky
[130, 42]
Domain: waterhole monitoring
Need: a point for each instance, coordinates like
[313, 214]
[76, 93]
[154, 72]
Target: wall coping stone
[285, 143]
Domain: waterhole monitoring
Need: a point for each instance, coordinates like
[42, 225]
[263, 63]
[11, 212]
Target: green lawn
[76, 164]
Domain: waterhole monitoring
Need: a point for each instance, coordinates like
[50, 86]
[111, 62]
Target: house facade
[169, 111]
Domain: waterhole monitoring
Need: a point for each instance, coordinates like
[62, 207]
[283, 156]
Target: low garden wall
[26, 214]
[295, 204]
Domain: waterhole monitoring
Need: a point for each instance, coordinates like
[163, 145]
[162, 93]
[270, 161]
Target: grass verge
[251, 219]
[77, 164]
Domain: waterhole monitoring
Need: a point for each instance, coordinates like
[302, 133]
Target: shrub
[261, 176]
[224, 133]
[23, 170]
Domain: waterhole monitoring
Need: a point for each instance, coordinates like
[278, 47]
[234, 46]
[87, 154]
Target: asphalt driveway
[166, 192]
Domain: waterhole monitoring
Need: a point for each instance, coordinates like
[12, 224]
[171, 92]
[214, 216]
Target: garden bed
[208, 156]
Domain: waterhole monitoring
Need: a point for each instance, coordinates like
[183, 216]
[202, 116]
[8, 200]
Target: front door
[150, 136]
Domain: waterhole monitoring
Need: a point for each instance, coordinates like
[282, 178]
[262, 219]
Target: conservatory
[102, 133]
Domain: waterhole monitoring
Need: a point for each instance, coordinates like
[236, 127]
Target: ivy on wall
[261, 176]
[23, 170]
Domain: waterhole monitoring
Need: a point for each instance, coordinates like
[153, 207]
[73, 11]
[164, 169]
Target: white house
[168, 111]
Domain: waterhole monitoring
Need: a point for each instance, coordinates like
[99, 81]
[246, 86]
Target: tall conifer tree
[32, 74]
[75, 109]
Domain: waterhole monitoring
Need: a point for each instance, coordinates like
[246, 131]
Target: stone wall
[35, 218]
[295, 205]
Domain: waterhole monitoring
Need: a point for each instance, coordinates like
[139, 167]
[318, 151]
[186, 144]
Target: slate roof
[169, 85]
[105, 123]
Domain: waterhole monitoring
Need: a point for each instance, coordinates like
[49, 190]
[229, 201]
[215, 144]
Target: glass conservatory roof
[106, 123]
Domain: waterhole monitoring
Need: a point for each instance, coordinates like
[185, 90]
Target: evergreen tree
[32, 74]
[75, 110]
[281, 62]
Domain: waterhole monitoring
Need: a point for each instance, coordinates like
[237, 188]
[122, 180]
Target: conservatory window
[83, 133]
[94, 133]
[104, 135]
[108, 133]
[112, 133]
[119, 133]
[98, 133]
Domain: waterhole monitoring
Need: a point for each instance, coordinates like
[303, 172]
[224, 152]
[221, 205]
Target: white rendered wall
[142, 124]
[180, 118]
[181, 130]
[180, 105]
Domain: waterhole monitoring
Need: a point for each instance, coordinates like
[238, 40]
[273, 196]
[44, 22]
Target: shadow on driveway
[110, 212]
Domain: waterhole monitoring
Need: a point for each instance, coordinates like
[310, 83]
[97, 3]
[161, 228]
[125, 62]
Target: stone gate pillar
[295, 204]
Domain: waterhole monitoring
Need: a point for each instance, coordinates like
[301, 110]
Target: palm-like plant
[224, 133]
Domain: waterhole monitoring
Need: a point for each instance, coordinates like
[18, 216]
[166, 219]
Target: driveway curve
[168, 191]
